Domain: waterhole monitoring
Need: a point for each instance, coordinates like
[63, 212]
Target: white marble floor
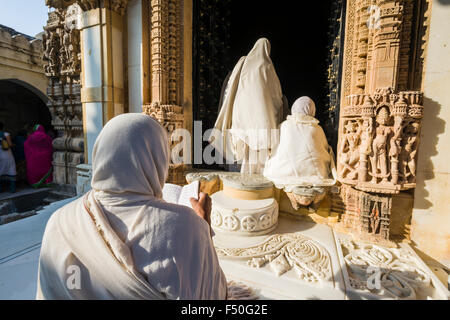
[19, 254]
[297, 260]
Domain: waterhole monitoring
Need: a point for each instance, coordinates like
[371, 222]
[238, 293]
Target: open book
[173, 193]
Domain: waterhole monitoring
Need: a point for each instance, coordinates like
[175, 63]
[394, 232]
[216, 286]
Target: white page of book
[188, 192]
[171, 193]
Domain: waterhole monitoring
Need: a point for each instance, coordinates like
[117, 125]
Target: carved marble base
[294, 261]
[243, 217]
[311, 261]
[372, 271]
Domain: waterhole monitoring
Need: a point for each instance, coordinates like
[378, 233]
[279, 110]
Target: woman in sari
[121, 240]
[38, 154]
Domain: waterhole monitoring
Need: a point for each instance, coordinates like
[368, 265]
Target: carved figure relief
[379, 141]
[380, 111]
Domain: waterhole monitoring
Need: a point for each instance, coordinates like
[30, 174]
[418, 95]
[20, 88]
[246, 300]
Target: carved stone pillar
[167, 105]
[380, 115]
[63, 66]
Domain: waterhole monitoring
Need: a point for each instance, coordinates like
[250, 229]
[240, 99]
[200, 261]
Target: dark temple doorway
[21, 107]
[305, 37]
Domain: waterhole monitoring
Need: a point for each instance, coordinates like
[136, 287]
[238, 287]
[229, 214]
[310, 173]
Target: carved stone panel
[379, 140]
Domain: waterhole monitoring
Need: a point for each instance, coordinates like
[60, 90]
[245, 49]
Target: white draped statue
[251, 109]
[303, 158]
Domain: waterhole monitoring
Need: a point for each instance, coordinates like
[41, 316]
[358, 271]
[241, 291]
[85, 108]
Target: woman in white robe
[122, 240]
[303, 158]
[251, 109]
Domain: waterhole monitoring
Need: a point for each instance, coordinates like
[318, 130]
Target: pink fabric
[38, 153]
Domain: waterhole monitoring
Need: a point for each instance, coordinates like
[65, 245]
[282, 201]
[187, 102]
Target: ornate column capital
[118, 6]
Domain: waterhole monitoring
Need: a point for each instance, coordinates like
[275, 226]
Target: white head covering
[127, 242]
[131, 156]
[305, 106]
[253, 102]
[303, 157]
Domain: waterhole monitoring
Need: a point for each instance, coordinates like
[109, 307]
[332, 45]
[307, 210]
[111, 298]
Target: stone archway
[22, 106]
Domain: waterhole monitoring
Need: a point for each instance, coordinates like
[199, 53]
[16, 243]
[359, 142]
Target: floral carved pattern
[399, 274]
[284, 252]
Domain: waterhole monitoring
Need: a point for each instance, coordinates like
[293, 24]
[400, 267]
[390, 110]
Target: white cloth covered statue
[122, 240]
[251, 108]
[303, 157]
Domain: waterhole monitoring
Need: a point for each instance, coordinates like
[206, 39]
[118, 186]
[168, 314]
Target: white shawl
[253, 103]
[303, 157]
[121, 239]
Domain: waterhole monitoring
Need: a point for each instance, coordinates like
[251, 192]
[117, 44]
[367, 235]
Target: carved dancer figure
[410, 150]
[374, 218]
[396, 148]
[365, 149]
[379, 147]
[349, 150]
[53, 55]
[251, 109]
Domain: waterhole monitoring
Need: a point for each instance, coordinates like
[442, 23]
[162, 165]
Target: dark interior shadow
[444, 2]
[432, 127]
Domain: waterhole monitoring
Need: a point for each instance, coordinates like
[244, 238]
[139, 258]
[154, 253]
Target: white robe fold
[252, 104]
[303, 157]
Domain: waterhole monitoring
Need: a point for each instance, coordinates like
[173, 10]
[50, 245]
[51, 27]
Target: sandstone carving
[379, 141]
[380, 116]
[166, 72]
[62, 65]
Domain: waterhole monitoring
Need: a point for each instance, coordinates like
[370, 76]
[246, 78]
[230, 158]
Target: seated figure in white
[303, 158]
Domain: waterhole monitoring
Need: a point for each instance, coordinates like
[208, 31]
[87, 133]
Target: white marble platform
[318, 248]
[322, 273]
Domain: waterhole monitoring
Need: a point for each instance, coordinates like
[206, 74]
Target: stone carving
[306, 196]
[398, 271]
[62, 65]
[166, 72]
[380, 110]
[379, 141]
[367, 215]
[284, 252]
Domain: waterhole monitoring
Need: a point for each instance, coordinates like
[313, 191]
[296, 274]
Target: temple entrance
[306, 62]
[21, 107]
